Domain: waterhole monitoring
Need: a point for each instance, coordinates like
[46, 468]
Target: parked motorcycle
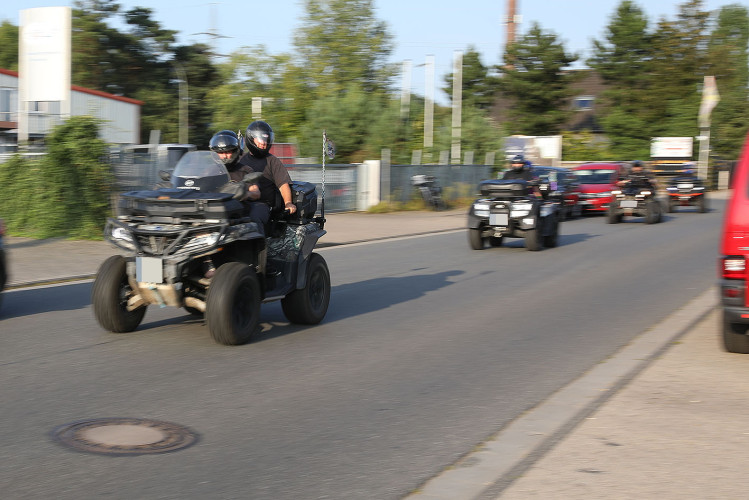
[430, 191]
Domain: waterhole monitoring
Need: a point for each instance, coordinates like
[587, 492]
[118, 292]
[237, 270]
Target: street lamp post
[183, 93]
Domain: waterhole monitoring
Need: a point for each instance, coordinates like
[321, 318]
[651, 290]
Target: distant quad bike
[191, 245]
[636, 198]
[509, 209]
[686, 191]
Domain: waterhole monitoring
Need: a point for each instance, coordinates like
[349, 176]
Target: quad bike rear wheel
[307, 306]
[233, 304]
[109, 297]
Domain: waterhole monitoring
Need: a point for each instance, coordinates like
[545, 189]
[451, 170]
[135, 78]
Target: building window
[8, 104]
[584, 103]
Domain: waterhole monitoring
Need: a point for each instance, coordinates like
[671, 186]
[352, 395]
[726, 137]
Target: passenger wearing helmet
[519, 169]
[274, 185]
[226, 144]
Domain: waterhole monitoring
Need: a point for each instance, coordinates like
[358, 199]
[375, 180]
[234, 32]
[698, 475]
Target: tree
[339, 43]
[677, 70]
[535, 80]
[727, 56]
[8, 46]
[479, 86]
[623, 61]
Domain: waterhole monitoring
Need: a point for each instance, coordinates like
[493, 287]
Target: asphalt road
[428, 349]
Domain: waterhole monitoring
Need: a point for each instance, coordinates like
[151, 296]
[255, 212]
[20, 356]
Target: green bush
[64, 193]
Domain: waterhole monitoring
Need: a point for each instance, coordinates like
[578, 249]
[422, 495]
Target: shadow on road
[17, 303]
[356, 299]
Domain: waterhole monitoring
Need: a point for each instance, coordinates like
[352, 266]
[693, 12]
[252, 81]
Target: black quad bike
[191, 245]
[637, 198]
[685, 191]
[510, 209]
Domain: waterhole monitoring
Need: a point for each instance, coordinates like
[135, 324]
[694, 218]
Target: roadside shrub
[65, 193]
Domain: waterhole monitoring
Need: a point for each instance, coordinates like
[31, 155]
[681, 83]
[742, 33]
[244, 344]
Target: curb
[492, 468]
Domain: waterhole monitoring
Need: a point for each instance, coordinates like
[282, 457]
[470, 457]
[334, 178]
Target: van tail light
[734, 267]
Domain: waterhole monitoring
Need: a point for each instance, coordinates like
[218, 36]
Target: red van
[734, 272]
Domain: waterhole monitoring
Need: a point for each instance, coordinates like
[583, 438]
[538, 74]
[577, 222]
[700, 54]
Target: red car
[734, 248]
[596, 182]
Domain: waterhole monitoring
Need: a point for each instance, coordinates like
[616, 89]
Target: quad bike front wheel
[475, 240]
[109, 297]
[653, 212]
[232, 310]
[551, 240]
[532, 240]
[613, 216]
[307, 306]
[702, 204]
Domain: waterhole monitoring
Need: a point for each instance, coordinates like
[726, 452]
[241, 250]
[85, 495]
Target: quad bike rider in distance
[636, 195]
[193, 245]
[513, 207]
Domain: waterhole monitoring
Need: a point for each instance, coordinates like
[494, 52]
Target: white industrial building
[120, 115]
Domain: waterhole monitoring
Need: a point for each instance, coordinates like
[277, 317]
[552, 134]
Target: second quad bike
[686, 191]
[635, 198]
[191, 245]
[511, 209]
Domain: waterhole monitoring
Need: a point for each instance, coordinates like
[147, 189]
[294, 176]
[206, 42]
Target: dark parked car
[563, 186]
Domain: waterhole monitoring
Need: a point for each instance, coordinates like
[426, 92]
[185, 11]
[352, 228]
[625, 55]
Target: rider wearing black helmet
[518, 169]
[258, 139]
[226, 144]
[638, 177]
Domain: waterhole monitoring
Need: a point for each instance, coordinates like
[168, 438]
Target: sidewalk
[677, 431]
[35, 261]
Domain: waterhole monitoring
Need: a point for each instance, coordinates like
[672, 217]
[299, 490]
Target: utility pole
[428, 109]
[457, 106]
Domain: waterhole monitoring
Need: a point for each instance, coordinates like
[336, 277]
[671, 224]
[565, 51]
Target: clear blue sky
[419, 27]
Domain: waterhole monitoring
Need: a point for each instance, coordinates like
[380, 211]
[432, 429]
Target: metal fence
[457, 181]
[140, 171]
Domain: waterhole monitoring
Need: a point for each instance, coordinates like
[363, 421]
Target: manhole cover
[124, 436]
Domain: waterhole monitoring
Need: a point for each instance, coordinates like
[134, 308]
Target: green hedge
[64, 193]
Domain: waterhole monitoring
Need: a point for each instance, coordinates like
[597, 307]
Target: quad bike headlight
[122, 237]
[205, 240]
[481, 209]
[521, 209]
[645, 193]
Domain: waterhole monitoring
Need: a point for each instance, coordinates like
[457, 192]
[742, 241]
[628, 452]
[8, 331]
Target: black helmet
[226, 141]
[259, 138]
[637, 163]
[517, 159]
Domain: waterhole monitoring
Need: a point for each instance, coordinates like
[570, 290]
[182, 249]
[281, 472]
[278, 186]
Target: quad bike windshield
[200, 171]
